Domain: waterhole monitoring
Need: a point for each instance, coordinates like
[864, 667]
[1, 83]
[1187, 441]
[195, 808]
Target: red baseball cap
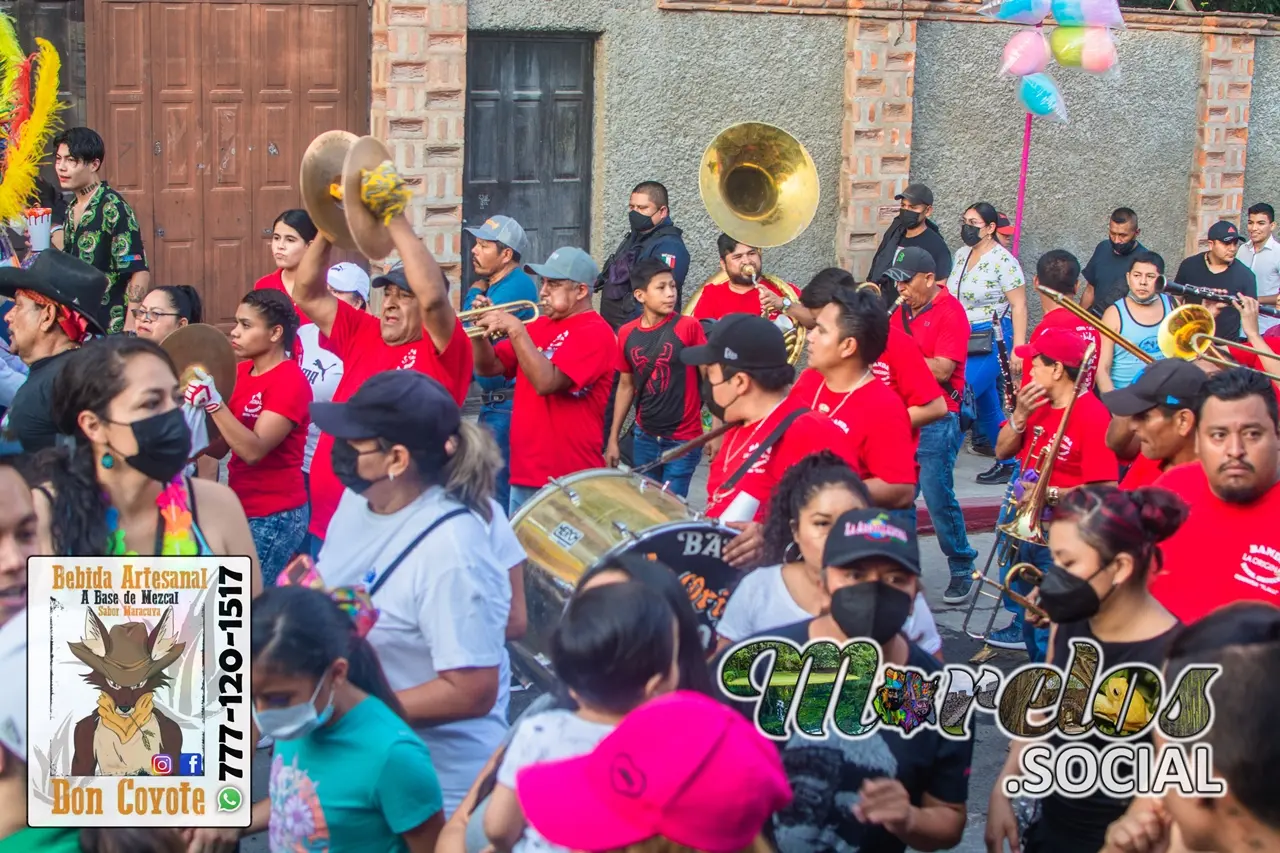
[1061, 345]
[1003, 225]
[682, 766]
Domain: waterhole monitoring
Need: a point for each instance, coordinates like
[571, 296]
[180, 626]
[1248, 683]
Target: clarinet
[1164, 285]
[1002, 351]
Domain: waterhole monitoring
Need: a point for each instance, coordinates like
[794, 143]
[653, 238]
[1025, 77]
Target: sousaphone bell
[330, 185]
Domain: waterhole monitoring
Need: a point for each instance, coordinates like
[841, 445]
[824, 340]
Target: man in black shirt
[57, 306]
[1218, 269]
[911, 227]
[883, 792]
[1105, 274]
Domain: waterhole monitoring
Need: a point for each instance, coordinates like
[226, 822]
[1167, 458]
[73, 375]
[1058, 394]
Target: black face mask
[164, 445]
[346, 461]
[970, 234]
[876, 610]
[1067, 598]
[909, 219]
[1124, 248]
[639, 222]
[706, 390]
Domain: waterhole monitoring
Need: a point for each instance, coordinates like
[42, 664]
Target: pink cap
[683, 766]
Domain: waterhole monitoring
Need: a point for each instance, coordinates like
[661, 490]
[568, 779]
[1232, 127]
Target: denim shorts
[278, 538]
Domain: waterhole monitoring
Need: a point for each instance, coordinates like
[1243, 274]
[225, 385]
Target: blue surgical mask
[296, 721]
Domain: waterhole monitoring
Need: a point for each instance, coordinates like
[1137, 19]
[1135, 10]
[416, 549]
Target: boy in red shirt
[563, 365]
[669, 411]
[417, 330]
[1053, 362]
[850, 335]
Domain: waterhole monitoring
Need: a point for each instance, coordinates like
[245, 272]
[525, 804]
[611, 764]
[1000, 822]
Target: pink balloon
[1026, 53]
[1099, 53]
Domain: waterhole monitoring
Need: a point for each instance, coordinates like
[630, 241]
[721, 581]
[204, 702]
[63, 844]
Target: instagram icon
[162, 765]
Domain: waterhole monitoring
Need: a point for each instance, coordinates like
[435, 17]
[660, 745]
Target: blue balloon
[1017, 11]
[1041, 97]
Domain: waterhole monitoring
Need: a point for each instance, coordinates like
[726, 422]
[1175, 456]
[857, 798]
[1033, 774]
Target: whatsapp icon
[229, 799]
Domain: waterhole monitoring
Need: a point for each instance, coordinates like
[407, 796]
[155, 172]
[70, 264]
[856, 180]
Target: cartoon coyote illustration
[123, 733]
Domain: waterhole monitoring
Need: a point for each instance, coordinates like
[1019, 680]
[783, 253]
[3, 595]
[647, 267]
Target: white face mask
[295, 721]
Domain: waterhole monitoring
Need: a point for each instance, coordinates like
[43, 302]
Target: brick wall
[418, 106]
[1217, 174]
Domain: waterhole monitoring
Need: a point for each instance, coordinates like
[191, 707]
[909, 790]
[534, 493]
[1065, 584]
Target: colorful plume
[31, 118]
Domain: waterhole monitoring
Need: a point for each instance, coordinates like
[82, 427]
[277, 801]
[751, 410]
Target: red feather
[22, 109]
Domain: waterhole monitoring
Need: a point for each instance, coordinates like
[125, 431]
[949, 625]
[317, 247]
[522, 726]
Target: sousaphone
[204, 347]
[330, 185]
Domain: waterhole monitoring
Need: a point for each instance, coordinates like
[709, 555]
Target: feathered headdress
[29, 116]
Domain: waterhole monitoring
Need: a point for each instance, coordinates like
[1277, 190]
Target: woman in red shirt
[265, 426]
[291, 233]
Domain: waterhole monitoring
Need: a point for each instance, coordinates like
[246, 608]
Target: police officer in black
[651, 235]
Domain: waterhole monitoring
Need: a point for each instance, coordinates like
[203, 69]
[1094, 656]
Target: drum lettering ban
[702, 544]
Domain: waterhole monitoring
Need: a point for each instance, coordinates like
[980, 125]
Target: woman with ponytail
[347, 772]
[1105, 546]
[167, 309]
[418, 527]
[119, 488]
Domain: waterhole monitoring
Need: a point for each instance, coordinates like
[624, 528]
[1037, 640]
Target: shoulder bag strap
[666, 333]
[377, 584]
[770, 440]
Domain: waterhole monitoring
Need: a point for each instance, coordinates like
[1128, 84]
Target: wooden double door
[206, 109]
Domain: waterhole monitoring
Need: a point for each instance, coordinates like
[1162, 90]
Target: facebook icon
[191, 764]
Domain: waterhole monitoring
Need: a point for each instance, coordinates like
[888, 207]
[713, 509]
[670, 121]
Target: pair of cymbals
[335, 159]
[204, 347]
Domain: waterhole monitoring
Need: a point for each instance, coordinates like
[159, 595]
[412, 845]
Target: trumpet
[1020, 571]
[518, 305]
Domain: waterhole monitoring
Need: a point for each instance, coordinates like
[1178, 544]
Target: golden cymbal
[322, 166]
[371, 236]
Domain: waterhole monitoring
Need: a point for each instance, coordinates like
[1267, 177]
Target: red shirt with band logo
[1083, 456]
[1144, 471]
[903, 368]
[561, 433]
[356, 338]
[809, 433]
[275, 484]
[1222, 553]
[875, 423]
[1061, 318]
[719, 300]
[941, 330]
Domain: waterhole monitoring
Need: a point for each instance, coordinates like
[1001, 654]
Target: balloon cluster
[1081, 39]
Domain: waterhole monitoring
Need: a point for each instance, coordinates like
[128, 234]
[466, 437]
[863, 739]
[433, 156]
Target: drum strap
[769, 441]
[377, 585]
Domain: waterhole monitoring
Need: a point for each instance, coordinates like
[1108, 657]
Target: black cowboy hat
[66, 280]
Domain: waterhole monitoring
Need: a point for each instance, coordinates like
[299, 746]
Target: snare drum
[589, 518]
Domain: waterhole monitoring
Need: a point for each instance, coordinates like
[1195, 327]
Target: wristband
[1014, 427]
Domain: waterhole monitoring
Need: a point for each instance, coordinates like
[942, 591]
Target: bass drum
[589, 518]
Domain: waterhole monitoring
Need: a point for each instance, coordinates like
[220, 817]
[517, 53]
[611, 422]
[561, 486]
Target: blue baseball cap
[504, 230]
[567, 264]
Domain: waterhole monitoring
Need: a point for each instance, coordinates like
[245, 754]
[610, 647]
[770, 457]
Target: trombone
[1021, 571]
[1187, 333]
[518, 305]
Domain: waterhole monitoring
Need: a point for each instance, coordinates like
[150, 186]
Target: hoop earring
[108, 461]
[786, 553]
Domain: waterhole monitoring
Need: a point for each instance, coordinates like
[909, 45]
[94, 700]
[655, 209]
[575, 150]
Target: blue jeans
[311, 546]
[677, 473]
[496, 417]
[1037, 639]
[982, 373]
[939, 444]
[520, 496]
[279, 538]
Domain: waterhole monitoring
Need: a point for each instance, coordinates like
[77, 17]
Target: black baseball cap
[400, 406]
[1167, 382]
[395, 276]
[908, 262]
[1224, 232]
[916, 194]
[742, 341]
[863, 533]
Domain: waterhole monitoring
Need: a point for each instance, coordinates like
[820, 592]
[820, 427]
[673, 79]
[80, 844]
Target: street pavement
[990, 746]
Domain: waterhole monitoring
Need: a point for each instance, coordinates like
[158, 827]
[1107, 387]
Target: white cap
[13, 674]
[349, 278]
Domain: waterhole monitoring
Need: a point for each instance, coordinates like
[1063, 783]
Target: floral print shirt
[981, 285]
[106, 236]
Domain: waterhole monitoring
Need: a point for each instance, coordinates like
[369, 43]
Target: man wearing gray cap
[562, 363]
[911, 227]
[496, 259]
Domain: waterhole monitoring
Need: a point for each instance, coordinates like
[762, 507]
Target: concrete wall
[1262, 174]
[1129, 140]
[668, 82]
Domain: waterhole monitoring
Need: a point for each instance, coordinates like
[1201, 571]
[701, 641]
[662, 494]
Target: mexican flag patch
[669, 260]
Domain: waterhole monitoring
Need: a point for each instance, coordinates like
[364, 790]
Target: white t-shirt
[549, 736]
[762, 601]
[323, 370]
[982, 288]
[445, 607]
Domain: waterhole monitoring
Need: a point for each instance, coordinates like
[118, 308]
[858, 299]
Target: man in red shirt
[1157, 416]
[743, 288]
[937, 322]
[745, 383]
[563, 366]
[416, 330]
[850, 335]
[1229, 547]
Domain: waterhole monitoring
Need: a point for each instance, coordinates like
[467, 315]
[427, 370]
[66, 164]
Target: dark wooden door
[206, 107]
[528, 149]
